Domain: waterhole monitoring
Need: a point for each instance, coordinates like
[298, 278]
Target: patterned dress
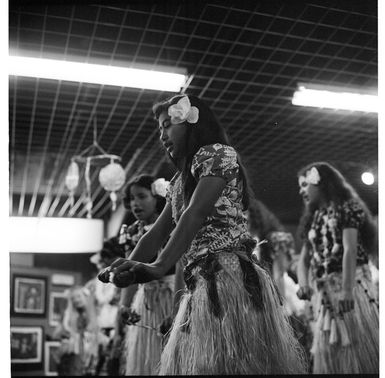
[153, 301]
[343, 342]
[230, 320]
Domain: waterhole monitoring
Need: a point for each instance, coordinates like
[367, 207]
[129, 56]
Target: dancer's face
[143, 204]
[78, 299]
[311, 194]
[173, 137]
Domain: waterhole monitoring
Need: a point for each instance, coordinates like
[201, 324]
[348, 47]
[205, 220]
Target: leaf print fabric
[227, 227]
[325, 236]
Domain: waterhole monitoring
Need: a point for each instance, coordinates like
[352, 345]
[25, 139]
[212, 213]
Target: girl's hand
[346, 302]
[132, 272]
[104, 275]
[305, 293]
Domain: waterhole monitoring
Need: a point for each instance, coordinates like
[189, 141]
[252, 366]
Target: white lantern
[112, 178]
[72, 180]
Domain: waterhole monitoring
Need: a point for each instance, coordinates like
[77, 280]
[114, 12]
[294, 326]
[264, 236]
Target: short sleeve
[215, 160]
[353, 215]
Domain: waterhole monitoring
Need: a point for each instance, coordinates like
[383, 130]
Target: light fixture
[321, 96]
[367, 178]
[120, 76]
[55, 235]
[111, 177]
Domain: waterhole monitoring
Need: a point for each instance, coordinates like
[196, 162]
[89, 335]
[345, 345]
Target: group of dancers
[206, 278]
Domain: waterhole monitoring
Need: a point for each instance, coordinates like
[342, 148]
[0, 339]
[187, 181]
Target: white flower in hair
[183, 111]
[159, 187]
[312, 176]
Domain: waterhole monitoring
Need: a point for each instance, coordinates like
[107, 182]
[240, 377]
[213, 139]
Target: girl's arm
[201, 205]
[304, 291]
[149, 244]
[349, 262]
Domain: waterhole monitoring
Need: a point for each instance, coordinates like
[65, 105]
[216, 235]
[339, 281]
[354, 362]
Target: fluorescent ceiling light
[96, 73]
[55, 235]
[334, 98]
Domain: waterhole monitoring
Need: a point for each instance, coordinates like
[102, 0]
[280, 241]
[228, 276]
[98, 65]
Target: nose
[163, 135]
[301, 191]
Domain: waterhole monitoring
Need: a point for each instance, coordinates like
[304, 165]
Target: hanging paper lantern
[72, 180]
[111, 178]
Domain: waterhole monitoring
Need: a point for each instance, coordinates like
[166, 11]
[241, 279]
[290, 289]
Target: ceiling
[245, 58]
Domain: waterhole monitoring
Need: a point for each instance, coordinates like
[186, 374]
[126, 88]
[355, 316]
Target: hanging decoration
[72, 180]
[111, 177]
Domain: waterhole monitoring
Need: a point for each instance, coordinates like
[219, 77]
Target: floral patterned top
[226, 228]
[129, 237]
[325, 236]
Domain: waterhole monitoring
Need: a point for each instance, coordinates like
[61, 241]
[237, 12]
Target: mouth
[138, 211]
[168, 146]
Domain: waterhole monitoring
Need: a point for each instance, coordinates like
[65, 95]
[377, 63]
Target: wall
[44, 266]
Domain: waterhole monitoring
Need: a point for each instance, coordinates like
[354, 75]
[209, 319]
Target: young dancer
[338, 234]
[230, 320]
[143, 307]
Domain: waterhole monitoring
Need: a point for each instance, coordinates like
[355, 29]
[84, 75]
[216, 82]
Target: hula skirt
[230, 321]
[153, 301]
[345, 343]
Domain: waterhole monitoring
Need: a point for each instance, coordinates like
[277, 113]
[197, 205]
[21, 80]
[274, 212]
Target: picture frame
[26, 345]
[29, 295]
[50, 359]
[57, 304]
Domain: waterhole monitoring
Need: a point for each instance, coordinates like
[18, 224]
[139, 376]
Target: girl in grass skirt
[230, 319]
[338, 234]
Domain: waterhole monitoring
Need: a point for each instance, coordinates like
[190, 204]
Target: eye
[166, 123]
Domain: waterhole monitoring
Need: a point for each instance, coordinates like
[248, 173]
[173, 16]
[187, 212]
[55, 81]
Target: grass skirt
[244, 339]
[346, 344]
[143, 347]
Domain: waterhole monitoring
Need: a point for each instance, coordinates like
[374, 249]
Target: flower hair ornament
[183, 111]
[159, 187]
[312, 176]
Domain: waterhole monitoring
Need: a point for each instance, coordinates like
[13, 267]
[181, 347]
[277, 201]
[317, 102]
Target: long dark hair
[337, 190]
[145, 181]
[206, 131]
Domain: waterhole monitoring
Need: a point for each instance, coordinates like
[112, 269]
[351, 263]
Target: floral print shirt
[325, 236]
[226, 227]
[130, 235]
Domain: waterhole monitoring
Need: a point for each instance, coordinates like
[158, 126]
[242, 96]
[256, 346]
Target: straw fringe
[246, 339]
[143, 346]
[352, 344]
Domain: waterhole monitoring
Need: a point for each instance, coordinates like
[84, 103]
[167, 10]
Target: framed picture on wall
[57, 305]
[29, 295]
[26, 345]
[51, 357]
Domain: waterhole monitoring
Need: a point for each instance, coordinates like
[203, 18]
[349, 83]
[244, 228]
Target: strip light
[96, 73]
[334, 98]
[55, 235]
